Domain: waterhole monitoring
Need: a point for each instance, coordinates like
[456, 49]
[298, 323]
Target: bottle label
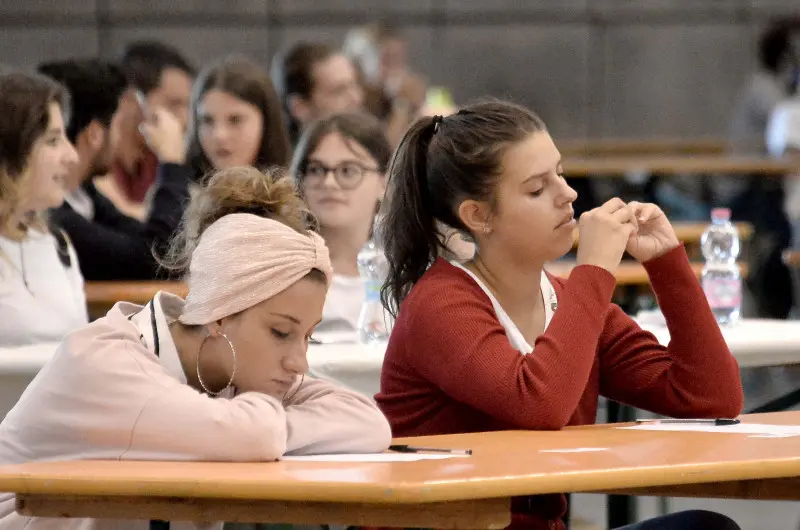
[723, 292]
[372, 289]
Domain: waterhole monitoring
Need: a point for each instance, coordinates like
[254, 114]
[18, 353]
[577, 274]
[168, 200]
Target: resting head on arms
[42, 290]
[235, 119]
[219, 376]
[257, 281]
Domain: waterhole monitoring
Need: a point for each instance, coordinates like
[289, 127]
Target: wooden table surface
[690, 233]
[136, 291]
[640, 146]
[628, 273]
[504, 464]
[620, 166]
[101, 295]
[791, 258]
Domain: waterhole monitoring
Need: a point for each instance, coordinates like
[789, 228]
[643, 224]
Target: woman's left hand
[655, 235]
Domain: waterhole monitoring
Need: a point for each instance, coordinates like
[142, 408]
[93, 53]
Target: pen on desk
[719, 422]
[412, 449]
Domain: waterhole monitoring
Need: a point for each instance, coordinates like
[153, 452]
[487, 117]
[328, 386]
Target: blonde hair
[24, 116]
[269, 194]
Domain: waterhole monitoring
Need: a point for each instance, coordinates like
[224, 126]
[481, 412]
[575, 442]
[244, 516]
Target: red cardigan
[449, 367]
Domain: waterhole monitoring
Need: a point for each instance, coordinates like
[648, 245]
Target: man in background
[157, 76]
[109, 244]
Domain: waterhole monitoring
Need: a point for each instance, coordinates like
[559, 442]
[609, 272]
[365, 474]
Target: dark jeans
[688, 520]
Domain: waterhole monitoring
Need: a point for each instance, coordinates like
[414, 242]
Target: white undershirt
[513, 333]
[80, 201]
[52, 304]
[343, 304]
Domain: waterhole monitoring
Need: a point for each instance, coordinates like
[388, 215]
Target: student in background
[159, 77]
[235, 120]
[774, 81]
[41, 288]
[783, 139]
[216, 377]
[314, 80]
[514, 360]
[109, 244]
[399, 80]
[340, 167]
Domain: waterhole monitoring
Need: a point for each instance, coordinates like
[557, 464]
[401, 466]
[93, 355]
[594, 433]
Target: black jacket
[114, 246]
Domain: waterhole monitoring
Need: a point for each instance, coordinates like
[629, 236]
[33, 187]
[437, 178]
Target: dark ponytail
[407, 211]
[439, 163]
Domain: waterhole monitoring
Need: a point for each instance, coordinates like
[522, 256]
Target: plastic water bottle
[373, 267]
[721, 280]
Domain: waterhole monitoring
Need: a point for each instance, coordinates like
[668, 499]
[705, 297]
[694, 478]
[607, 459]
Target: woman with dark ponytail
[492, 343]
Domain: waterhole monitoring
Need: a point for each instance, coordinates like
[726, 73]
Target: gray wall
[589, 67]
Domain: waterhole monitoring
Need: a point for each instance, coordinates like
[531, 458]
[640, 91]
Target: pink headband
[242, 260]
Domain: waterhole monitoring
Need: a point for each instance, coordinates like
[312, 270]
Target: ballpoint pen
[719, 422]
[412, 449]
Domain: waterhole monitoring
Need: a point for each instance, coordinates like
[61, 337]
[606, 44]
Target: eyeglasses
[347, 175]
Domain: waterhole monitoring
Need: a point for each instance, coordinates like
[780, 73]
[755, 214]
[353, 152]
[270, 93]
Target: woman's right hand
[604, 234]
[164, 135]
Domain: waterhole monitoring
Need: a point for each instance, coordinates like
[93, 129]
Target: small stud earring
[486, 229]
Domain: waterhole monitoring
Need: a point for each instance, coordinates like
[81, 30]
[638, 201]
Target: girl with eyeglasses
[339, 166]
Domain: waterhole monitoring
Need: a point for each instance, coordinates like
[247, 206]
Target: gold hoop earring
[233, 373]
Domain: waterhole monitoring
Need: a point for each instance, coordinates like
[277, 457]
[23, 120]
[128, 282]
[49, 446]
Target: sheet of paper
[574, 450]
[764, 430]
[371, 457]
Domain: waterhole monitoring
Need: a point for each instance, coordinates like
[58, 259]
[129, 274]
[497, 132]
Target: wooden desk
[791, 258]
[137, 292]
[639, 146]
[675, 164]
[629, 273]
[690, 233]
[452, 493]
[100, 296]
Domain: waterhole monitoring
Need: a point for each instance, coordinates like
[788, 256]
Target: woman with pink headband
[216, 377]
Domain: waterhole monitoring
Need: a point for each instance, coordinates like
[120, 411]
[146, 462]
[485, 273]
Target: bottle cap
[721, 213]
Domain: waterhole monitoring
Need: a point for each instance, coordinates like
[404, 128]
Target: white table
[754, 343]
[18, 367]
[350, 364]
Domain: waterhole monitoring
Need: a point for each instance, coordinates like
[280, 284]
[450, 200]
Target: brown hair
[293, 75]
[358, 127]
[269, 194]
[439, 163]
[246, 80]
[24, 116]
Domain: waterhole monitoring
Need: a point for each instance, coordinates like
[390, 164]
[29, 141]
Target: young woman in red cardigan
[495, 343]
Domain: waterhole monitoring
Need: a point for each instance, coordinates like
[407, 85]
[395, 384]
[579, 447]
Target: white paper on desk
[740, 428]
[371, 457]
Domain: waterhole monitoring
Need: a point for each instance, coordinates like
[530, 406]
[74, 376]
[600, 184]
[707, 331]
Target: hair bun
[270, 194]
